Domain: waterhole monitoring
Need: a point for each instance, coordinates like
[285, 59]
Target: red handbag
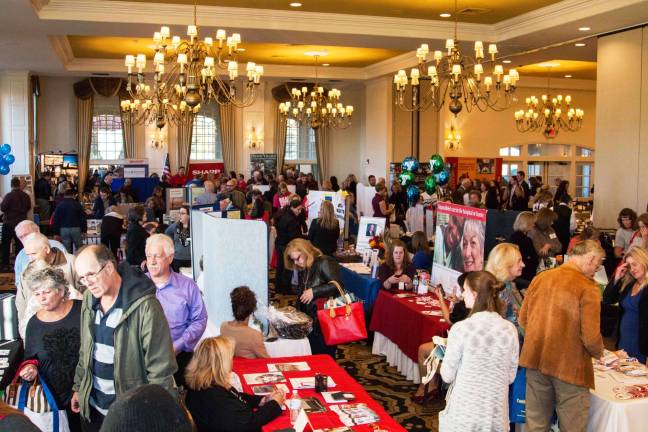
[342, 324]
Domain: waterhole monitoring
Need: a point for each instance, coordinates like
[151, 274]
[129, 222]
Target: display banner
[369, 228]
[264, 162]
[206, 168]
[484, 169]
[459, 243]
[314, 200]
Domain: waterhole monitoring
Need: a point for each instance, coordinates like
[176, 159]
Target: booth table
[363, 286]
[610, 414]
[401, 325]
[325, 365]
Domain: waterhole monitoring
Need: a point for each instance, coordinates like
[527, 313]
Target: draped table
[608, 413]
[327, 366]
[363, 286]
[402, 322]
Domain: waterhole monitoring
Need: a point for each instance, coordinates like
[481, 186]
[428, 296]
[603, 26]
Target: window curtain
[281, 127]
[228, 136]
[85, 91]
[185, 133]
[321, 148]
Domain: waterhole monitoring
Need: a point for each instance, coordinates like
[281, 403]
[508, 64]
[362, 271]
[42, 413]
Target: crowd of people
[91, 322]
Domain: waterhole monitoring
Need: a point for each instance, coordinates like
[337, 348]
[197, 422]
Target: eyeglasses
[91, 277]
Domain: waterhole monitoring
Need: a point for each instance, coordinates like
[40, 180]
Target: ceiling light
[580, 44]
[240, 49]
[584, 29]
[295, 4]
[549, 65]
[506, 61]
[326, 64]
[316, 53]
[568, 76]
[445, 15]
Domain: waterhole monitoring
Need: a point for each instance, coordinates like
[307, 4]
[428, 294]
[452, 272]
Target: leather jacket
[323, 270]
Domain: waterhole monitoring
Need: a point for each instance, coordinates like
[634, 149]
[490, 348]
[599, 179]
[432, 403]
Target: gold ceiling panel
[484, 11]
[105, 47]
[560, 68]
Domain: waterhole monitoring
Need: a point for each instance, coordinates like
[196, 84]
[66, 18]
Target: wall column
[14, 122]
[377, 146]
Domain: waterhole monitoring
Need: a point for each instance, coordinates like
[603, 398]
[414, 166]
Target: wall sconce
[453, 140]
[255, 139]
[158, 137]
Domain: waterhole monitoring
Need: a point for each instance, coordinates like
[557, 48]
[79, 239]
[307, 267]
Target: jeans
[94, 423]
[71, 237]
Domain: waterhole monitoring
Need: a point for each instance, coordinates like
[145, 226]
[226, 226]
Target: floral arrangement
[376, 242]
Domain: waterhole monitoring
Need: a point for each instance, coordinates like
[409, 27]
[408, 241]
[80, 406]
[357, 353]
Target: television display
[70, 161]
[52, 159]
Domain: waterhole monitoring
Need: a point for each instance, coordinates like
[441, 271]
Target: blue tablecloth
[363, 286]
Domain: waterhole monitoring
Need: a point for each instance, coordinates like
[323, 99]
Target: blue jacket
[98, 206]
[69, 214]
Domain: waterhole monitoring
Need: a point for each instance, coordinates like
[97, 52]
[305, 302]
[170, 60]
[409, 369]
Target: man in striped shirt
[123, 345]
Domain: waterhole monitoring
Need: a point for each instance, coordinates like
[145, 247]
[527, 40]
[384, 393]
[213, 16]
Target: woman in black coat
[316, 271]
[136, 236]
[214, 404]
[523, 224]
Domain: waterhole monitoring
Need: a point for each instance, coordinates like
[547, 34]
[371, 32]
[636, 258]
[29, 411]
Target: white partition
[363, 200]
[314, 201]
[235, 253]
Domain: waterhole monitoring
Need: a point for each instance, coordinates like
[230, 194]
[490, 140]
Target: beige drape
[84, 136]
[321, 147]
[185, 132]
[129, 136]
[281, 126]
[228, 136]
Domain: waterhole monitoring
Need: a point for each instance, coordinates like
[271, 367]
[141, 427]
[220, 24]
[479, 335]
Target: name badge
[552, 236]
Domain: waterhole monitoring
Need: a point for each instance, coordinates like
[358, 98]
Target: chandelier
[549, 114]
[186, 75]
[460, 78]
[317, 107]
[453, 139]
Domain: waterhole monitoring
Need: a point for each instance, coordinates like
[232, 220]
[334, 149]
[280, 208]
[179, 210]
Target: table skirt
[395, 357]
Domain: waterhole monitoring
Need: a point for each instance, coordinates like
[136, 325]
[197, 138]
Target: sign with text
[264, 162]
[206, 168]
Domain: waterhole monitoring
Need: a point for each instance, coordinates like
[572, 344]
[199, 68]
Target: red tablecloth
[325, 365]
[402, 321]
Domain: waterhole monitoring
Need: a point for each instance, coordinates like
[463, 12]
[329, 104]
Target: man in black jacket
[70, 222]
[563, 223]
[15, 206]
[290, 224]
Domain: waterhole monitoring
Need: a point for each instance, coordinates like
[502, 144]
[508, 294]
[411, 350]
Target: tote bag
[342, 324]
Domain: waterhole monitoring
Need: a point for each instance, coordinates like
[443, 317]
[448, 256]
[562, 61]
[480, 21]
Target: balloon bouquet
[6, 159]
[440, 176]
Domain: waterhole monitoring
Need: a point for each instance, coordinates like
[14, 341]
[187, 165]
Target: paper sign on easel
[301, 421]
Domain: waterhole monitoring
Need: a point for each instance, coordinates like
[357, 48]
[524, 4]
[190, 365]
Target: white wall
[57, 114]
[14, 122]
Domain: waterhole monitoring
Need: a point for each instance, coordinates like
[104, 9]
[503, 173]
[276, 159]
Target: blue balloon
[413, 194]
[4, 169]
[5, 149]
[443, 177]
[410, 164]
[9, 159]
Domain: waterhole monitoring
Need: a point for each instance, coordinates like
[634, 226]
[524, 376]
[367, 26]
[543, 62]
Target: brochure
[355, 414]
[288, 367]
[264, 378]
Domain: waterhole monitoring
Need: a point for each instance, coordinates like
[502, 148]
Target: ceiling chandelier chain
[316, 107]
[549, 114]
[457, 76]
[187, 75]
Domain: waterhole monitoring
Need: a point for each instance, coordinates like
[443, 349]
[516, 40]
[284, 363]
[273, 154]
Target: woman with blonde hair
[472, 245]
[212, 401]
[505, 263]
[318, 278]
[524, 223]
[325, 230]
[627, 288]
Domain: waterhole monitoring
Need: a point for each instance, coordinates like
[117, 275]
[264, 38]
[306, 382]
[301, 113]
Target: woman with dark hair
[379, 204]
[524, 223]
[180, 232]
[562, 193]
[398, 198]
[136, 236]
[640, 237]
[627, 226]
[545, 240]
[397, 267]
[318, 278]
[324, 231]
[422, 258]
[334, 184]
[249, 341]
[481, 353]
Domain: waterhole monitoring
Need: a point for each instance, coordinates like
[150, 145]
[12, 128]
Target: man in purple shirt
[180, 298]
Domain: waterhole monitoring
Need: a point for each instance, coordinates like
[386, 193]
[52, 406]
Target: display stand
[314, 201]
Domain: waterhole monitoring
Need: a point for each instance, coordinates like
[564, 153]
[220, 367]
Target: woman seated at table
[397, 267]
[318, 275]
[212, 401]
[249, 341]
[481, 359]
[628, 289]
[545, 240]
[460, 311]
[422, 258]
[505, 263]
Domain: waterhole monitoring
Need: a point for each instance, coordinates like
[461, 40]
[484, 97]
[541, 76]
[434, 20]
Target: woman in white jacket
[480, 362]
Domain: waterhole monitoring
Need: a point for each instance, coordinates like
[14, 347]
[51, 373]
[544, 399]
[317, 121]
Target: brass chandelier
[186, 75]
[460, 78]
[317, 107]
[549, 114]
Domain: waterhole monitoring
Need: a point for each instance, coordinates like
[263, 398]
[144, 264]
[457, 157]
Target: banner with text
[206, 168]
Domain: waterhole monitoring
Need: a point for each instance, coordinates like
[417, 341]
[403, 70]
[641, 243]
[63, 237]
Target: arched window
[206, 141]
[107, 137]
[300, 143]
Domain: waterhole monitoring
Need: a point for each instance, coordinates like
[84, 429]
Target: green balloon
[430, 185]
[436, 163]
[406, 178]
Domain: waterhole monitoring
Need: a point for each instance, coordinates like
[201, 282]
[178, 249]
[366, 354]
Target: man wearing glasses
[123, 344]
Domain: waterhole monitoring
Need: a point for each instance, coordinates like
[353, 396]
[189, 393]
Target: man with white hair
[180, 298]
[209, 196]
[41, 254]
[24, 229]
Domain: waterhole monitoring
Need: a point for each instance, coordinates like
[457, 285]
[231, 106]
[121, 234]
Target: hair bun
[498, 287]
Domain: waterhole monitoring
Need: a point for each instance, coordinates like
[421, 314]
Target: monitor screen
[71, 161]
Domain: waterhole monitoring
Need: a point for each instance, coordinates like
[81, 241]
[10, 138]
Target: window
[584, 152]
[509, 169]
[533, 169]
[206, 141]
[556, 150]
[107, 137]
[300, 143]
[583, 179]
[510, 151]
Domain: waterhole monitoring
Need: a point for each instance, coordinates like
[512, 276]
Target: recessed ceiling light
[295, 4]
[445, 15]
[568, 76]
[506, 61]
[549, 65]
[316, 53]
[584, 29]
[580, 44]
[326, 64]
[240, 49]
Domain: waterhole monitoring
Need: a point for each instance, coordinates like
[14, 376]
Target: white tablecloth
[382, 345]
[288, 348]
[609, 414]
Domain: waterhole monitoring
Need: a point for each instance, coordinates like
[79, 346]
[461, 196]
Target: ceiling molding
[391, 65]
[39, 4]
[62, 49]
